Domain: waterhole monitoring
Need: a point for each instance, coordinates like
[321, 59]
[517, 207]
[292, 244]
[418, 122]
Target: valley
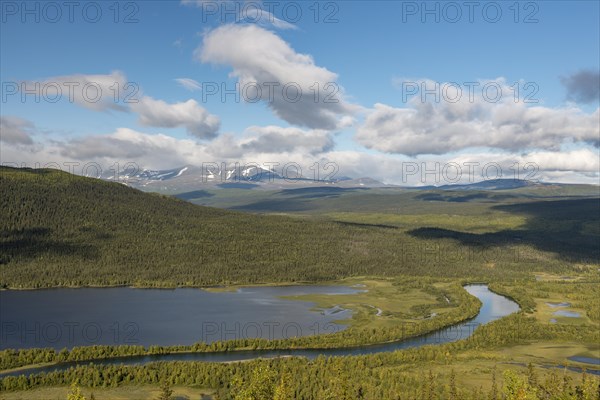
[399, 258]
[300, 200]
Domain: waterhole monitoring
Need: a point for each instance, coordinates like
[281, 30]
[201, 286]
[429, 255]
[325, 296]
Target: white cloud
[15, 130]
[127, 145]
[159, 151]
[114, 92]
[273, 140]
[189, 84]
[579, 165]
[258, 144]
[583, 160]
[178, 43]
[583, 86]
[197, 121]
[94, 92]
[430, 127]
[260, 58]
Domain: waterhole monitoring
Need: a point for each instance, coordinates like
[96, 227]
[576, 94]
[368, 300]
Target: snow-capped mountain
[214, 175]
[251, 174]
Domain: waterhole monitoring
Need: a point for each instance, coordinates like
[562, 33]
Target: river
[494, 306]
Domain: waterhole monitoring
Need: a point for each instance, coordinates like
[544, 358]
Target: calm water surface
[493, 307]
[60, 318]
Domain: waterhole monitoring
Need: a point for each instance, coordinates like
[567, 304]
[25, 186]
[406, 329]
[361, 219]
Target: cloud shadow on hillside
[36, 242]
[558, 226]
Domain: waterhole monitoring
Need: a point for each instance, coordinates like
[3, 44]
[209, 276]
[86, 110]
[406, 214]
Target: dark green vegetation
[423, 373]
[262, 381]
[58, 229]
[82, 231]
[560, 219]
[536, 246]
[326, 199]
[365, 330]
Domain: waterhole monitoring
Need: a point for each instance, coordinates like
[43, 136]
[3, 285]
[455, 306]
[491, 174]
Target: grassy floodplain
[410, 249]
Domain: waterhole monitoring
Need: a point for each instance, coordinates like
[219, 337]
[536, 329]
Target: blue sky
[369, 48]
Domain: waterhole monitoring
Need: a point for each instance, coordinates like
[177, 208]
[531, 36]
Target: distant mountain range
[189, 178]
[243, 177]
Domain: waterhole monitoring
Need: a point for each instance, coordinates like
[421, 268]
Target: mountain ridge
[189, 178]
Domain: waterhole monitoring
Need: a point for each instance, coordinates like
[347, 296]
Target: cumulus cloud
[15, 130]
[127, 145]
[156, 151]
[189, 84]
[94, 92]
[197, 121]
[532, 163]
[264, 144]
[577, 165]
[583, 86]
[124, 144]
[269, 70]
[273, 140]
[582, 160]
[430, 127]
[113, 92]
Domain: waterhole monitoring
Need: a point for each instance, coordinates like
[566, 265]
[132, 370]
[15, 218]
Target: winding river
[494, 306]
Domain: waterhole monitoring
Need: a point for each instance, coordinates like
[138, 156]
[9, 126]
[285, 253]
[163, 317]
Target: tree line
[58, 229]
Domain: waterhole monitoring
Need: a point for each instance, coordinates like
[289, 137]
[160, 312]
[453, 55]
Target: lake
[494, 306]
[60, 318]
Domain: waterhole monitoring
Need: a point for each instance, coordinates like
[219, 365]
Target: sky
[405, 92]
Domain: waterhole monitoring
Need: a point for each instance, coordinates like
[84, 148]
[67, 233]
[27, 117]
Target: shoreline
[212, 288]
[242, 350]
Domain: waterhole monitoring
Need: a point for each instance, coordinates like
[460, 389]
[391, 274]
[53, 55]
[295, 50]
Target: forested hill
[59, 229]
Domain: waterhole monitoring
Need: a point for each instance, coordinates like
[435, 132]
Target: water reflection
[493, 307]
[60, 318]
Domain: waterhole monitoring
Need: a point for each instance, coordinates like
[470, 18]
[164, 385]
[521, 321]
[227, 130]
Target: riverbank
[412, 339]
